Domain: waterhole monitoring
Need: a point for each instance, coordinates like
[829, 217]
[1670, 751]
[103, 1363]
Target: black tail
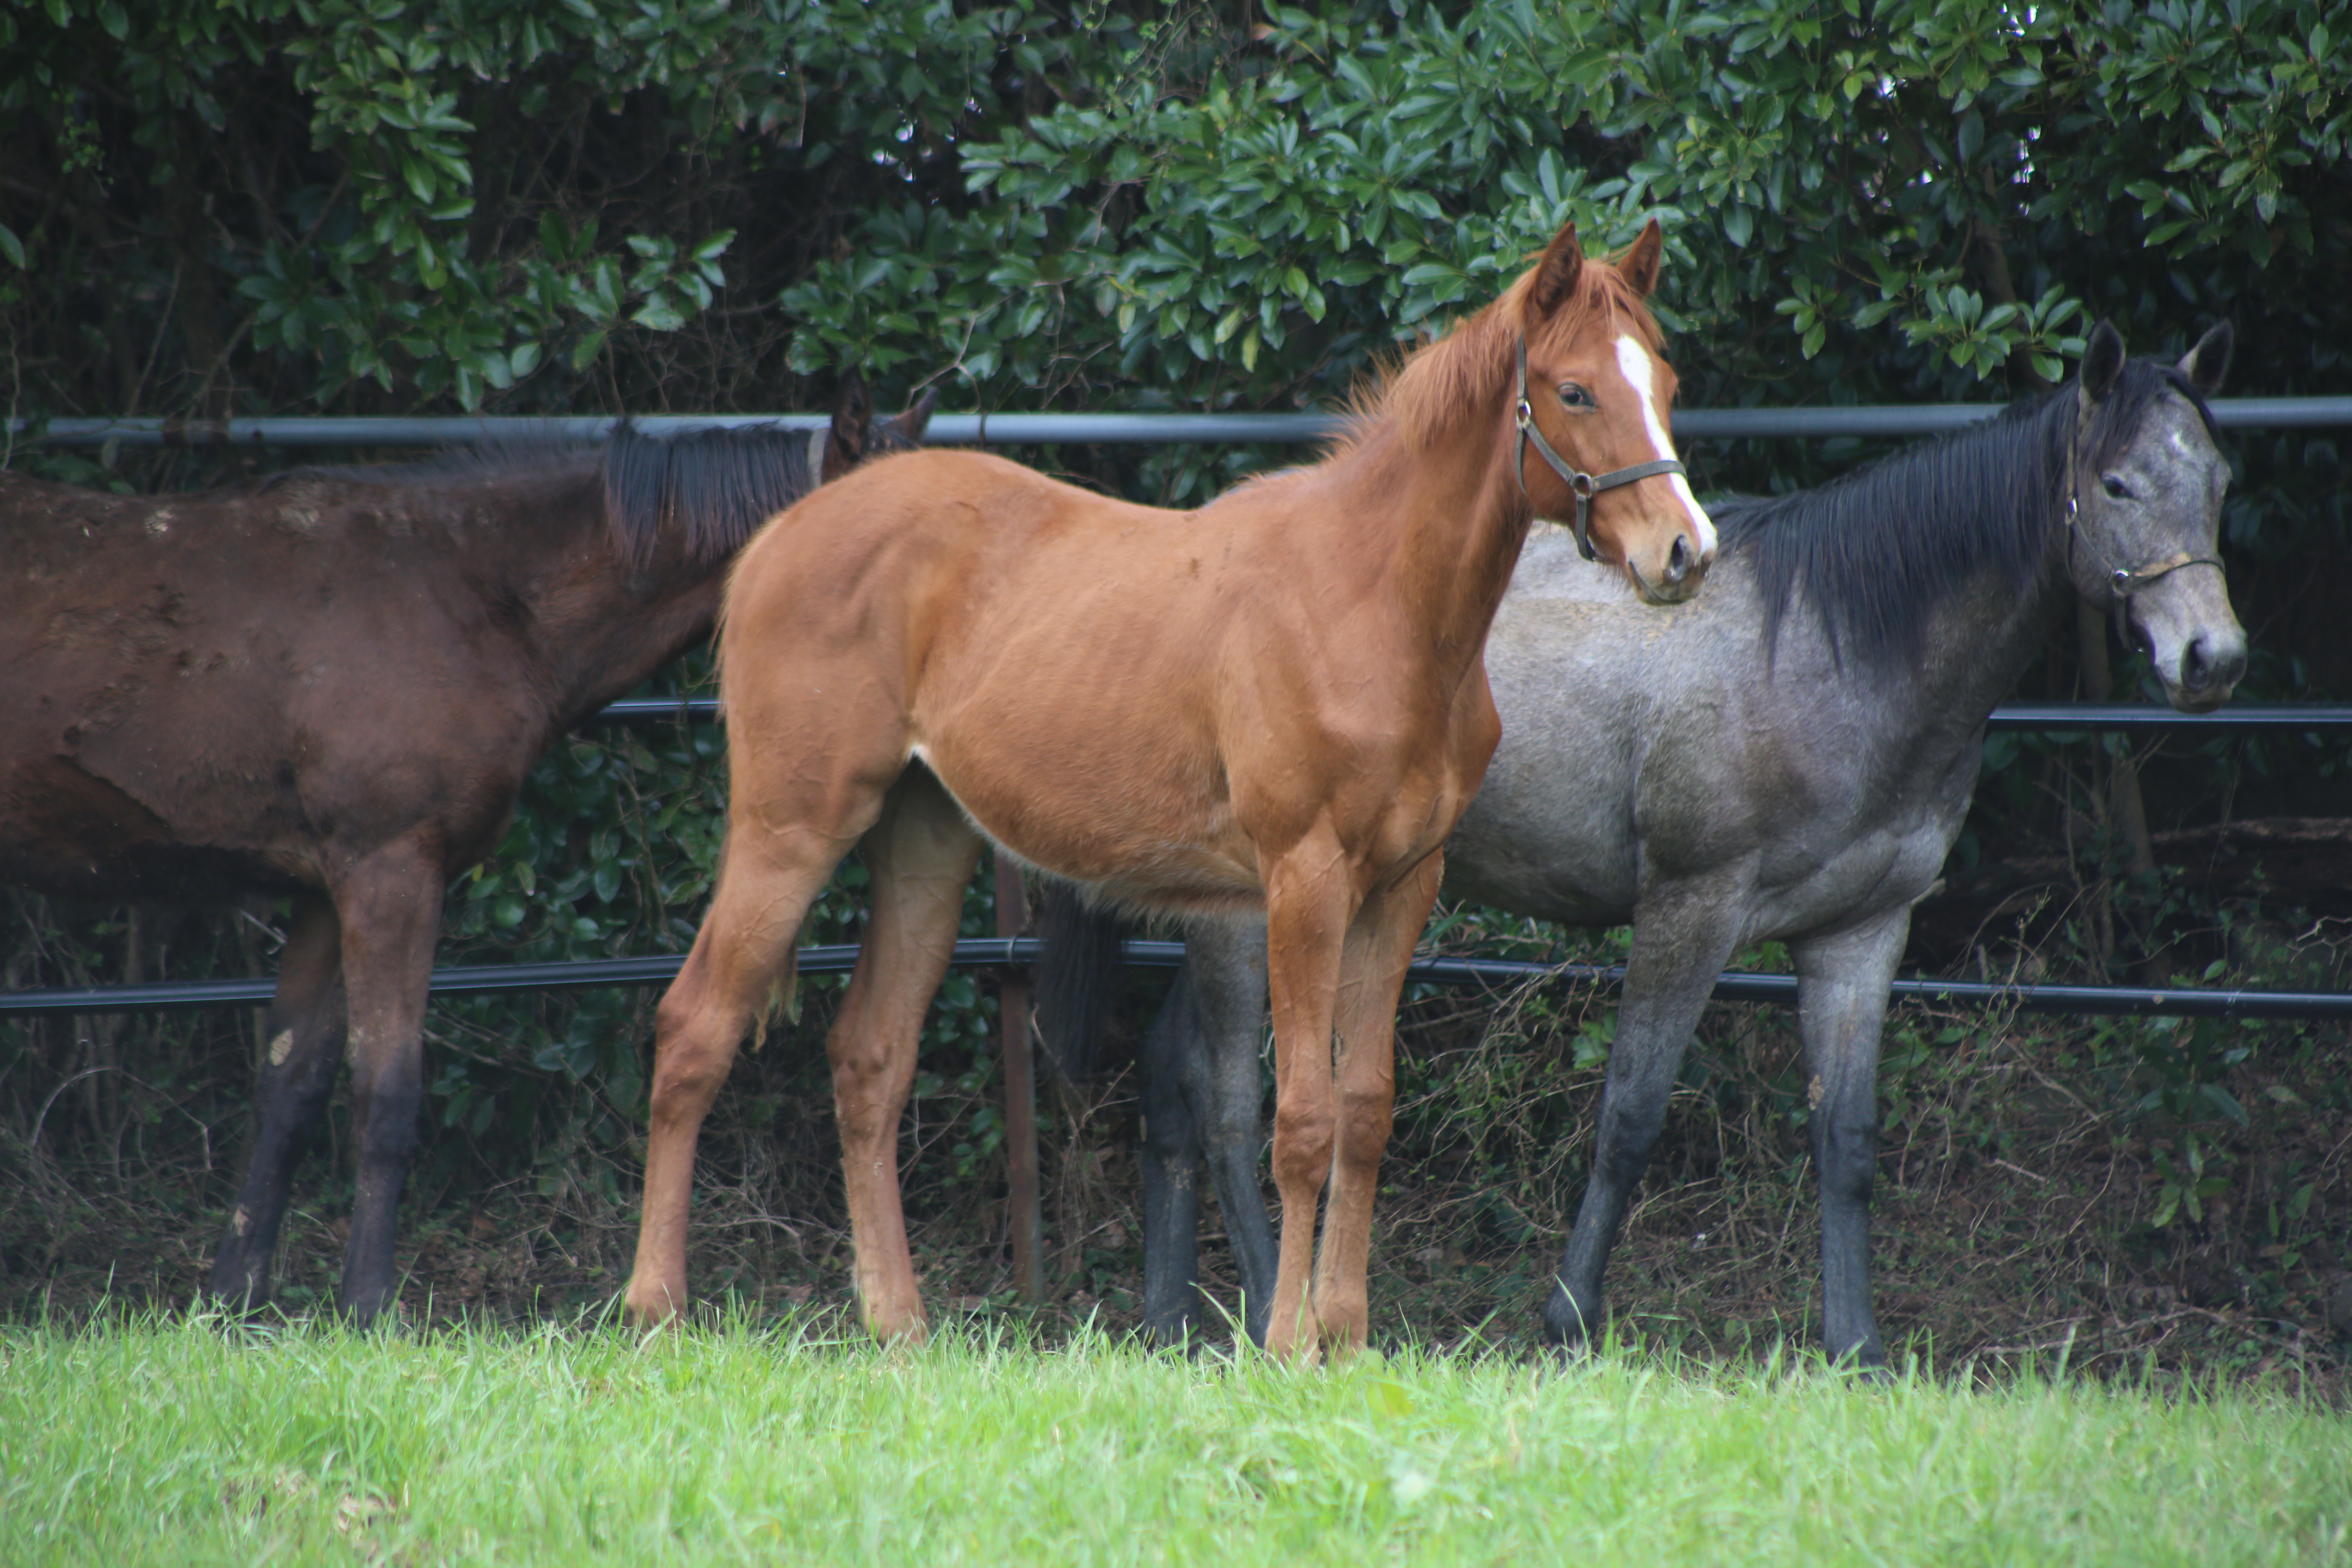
[1076, 976]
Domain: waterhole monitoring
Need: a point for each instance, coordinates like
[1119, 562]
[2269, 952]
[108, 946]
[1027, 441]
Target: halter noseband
[1583, 486]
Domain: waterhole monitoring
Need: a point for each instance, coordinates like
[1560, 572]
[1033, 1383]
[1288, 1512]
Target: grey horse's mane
[1874, 551]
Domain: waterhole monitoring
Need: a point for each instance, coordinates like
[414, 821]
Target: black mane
[1876, 550]
[717, 485]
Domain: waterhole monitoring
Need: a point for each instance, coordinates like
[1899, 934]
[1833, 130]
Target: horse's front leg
[1371, 974]
[390, 907]
[1842, 986]
[304, 1050]
[1310, 905]
[1681, 938]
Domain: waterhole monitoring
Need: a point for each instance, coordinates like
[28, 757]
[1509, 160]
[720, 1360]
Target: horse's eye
[2116, 487]
[1574, 396]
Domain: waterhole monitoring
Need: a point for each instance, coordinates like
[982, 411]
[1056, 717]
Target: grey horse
[1789, 756]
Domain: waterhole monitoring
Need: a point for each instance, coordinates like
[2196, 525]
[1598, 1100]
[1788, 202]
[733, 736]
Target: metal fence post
[1023, 1216]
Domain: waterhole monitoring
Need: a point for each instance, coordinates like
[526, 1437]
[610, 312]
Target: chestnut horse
[328, 685]
[1276, 701]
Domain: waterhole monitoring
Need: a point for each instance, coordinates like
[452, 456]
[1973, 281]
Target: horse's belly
[1546, 886]
[71, 833]
[1875, 872]
[1158, 838]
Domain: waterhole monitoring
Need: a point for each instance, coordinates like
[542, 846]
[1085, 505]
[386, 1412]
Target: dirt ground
[2022, 1181]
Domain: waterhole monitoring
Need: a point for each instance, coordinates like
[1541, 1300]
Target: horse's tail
[1077, 973]
[783, 998]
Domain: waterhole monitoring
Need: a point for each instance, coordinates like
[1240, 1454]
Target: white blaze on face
[1633, 362]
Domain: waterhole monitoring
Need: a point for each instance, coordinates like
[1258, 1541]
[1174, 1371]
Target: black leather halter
[1583, 486]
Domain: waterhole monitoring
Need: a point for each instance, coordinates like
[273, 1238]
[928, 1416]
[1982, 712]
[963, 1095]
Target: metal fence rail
[2054, 718]
[1879, 421]
[1733, 985]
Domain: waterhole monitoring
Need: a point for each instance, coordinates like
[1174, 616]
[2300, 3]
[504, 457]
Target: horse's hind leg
[1371, 976]
[1168, 1062]
[1680, 943]
[1841, 985]
[305, 1033]
[1228, 963]
[740, 967]
[390, 907]
[1201, 1097]
[921, 854]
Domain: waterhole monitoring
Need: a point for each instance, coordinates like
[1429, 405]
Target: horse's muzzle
[1676, 577]
[2212, 664]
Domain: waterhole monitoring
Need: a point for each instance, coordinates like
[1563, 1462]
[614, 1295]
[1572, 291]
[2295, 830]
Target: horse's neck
[1445, 523]
[598, 628]
[1977, 646]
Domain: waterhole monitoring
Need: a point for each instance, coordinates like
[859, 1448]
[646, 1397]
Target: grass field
[152, 1441]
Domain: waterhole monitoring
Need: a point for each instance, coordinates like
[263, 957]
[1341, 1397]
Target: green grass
[161, 1441]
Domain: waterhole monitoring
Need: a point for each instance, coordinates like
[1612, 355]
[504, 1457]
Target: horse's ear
[1639, 265]
[2103, 361]
[1563, 259]
[909, 428]
[852, 410]
[2204, 365]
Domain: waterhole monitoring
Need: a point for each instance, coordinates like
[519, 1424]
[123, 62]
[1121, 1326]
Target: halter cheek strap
[1581, 485]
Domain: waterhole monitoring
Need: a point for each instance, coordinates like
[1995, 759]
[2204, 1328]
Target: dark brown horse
[328, 685]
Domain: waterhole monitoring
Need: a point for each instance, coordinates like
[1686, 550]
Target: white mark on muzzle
[1633, 363]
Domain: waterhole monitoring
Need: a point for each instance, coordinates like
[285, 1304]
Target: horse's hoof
[647, 1306]
[1569, 1328]
[1169, 1334]
[369, 1318]
[911, 1330]
[1865, 1365]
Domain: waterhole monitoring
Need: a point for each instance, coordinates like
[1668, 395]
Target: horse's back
[198, 687]
[1034, 641]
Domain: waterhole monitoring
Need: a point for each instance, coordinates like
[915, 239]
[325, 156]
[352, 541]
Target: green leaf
[12, 247]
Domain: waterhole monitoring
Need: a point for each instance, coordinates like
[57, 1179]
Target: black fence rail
[2052, 718]
[1877, 421]
[985, 952]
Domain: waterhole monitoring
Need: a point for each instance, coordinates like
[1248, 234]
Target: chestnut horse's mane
[1432, 386]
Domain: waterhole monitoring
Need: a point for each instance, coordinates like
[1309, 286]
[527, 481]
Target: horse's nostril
[2203, 665]
[1678, 560]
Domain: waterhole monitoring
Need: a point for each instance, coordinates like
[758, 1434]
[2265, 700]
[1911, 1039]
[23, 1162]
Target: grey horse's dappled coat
[1788, 756]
